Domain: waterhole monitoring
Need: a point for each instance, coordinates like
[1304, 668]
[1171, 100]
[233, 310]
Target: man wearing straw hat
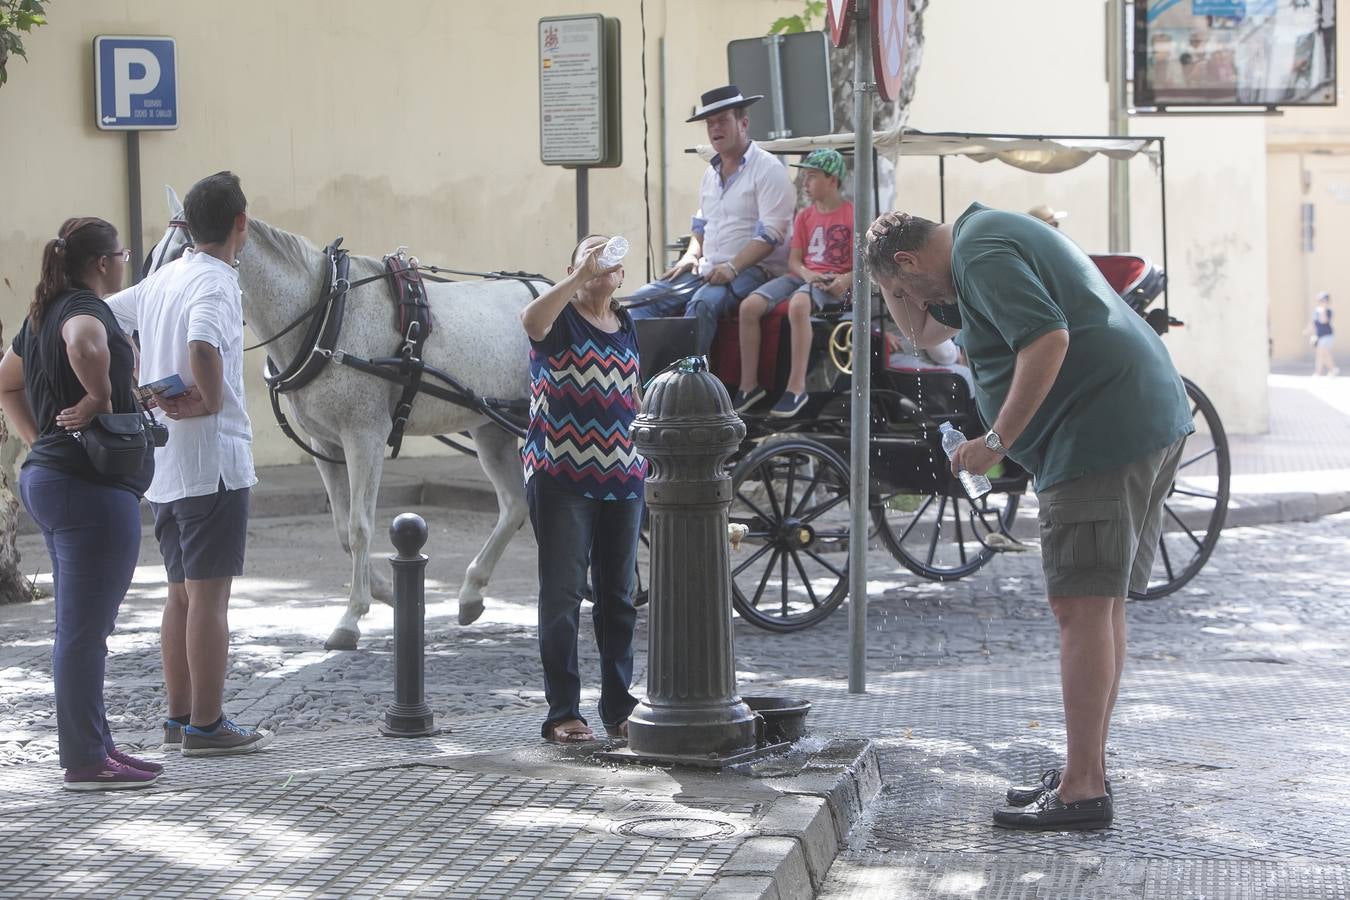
[739, 236]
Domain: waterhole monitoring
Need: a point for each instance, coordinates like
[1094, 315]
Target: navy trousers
[93, 535]
[574, 534]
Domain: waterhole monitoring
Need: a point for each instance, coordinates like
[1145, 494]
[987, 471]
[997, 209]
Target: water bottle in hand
[616, 248]
[976, 485]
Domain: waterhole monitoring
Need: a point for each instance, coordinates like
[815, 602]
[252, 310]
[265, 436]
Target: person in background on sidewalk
[1081, 392]
[820, 272]
[584, 482]
[68, 363]
[190, 321]
[1323, 337]
[740, 232]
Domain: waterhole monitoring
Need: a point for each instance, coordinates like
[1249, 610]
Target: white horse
[476, 336]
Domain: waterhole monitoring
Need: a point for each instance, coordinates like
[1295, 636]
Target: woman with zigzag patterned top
[583, 481]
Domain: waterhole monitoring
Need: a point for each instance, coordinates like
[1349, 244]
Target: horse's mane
[291, 246]
[294, 248]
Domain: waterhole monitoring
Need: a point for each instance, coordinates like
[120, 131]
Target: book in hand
[172, 386]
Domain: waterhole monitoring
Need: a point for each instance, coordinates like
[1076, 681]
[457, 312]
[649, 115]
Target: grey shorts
[203, 537]
[1325, 340]
[783, 287]
[1099, 533]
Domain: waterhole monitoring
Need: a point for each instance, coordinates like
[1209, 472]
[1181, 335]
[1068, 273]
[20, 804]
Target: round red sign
[888, 46]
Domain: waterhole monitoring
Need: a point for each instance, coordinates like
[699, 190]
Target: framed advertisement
[1241, 53]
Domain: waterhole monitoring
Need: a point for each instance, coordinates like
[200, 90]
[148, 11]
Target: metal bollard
[692, 712]
[409, 715]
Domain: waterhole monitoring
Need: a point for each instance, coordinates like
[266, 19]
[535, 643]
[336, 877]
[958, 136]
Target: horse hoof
[469, 611]
[341, 639]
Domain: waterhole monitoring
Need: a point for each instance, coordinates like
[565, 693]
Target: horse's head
[175, 240]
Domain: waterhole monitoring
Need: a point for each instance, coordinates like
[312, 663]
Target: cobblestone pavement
[1275, 592]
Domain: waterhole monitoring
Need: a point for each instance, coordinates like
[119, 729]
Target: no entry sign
[888, 46]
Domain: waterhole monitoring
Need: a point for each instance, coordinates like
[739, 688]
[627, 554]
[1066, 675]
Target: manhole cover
[677, 828]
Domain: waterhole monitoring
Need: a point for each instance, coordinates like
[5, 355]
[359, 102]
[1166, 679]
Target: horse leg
[500, 458]
[339, 502]
[365, 464]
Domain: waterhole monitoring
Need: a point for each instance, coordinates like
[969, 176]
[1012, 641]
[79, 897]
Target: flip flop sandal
[578, 733]
[618, 731]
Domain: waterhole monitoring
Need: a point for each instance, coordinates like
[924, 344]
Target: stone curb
[802, 832]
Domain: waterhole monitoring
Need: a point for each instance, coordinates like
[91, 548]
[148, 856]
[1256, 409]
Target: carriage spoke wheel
[1197, 504]
[939, 535]
[791, 570]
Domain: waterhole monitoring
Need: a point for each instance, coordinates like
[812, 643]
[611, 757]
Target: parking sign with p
[135, 83]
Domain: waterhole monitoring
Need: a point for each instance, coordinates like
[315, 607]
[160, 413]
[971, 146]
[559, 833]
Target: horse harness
[413, 322]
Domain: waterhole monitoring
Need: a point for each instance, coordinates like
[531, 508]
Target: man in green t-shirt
[1080, 391]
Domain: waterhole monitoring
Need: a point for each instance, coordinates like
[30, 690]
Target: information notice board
[579, 91]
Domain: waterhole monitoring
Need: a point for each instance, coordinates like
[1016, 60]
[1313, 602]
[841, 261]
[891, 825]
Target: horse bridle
[152, 264]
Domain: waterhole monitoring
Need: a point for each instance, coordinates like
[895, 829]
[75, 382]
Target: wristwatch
[993, 442]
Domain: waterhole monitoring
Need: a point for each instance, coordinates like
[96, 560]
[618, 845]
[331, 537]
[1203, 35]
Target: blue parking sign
[135, 83]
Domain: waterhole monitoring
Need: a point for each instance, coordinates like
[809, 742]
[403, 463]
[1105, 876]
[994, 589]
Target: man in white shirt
[740, 233]
[190, 321]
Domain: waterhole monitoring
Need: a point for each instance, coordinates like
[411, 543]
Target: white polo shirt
[194, 298]
[756, 202]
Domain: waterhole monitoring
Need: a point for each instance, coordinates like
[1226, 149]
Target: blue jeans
[575, 533]
[709, 302]
[93, 534]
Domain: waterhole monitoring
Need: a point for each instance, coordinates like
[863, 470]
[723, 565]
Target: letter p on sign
[127, 81]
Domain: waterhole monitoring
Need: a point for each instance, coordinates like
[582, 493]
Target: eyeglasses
[124, 253]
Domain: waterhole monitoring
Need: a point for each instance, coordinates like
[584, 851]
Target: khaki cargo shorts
[1099, 533]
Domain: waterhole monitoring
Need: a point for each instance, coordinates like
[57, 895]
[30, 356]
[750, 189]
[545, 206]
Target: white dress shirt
[194, 298]
[757, 202]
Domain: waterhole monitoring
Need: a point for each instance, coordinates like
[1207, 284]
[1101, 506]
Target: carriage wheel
[791, 569]
[1195, 508]
[938, 536]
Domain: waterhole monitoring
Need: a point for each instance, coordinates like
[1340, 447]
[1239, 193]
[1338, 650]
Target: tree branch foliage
[17, 18]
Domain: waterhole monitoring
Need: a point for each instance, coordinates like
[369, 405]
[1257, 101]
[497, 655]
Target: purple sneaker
[144, 765]
[109, 775]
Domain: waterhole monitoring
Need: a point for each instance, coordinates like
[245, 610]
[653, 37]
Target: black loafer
[1049, 813]
[1049, 780]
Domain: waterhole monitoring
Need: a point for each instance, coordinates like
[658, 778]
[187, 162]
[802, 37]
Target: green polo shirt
[1117, 397]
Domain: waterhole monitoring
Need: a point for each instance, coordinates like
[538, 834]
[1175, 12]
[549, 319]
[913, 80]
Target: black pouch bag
[115, 442]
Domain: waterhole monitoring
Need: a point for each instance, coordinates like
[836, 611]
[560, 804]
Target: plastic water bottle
[976, 485]
[616, 248]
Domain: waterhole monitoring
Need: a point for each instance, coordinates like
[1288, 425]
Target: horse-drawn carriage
[347, 375]
[791, 478]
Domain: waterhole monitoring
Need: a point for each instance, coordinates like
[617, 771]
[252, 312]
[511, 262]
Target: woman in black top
[68, 363]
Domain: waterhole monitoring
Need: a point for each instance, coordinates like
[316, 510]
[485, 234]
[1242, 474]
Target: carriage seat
[1133, 277]
[774, 333]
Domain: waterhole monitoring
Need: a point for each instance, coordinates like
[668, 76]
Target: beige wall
[1308, 161]
[429, 138]
[340, 123]
[974, 78]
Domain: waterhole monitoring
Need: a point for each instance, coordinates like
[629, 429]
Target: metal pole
[942, 189]
[860, 421]
[1118, 185]
[134, 203]
[1162, 183]
[779, 127]
[409, 715]
[583, 202]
